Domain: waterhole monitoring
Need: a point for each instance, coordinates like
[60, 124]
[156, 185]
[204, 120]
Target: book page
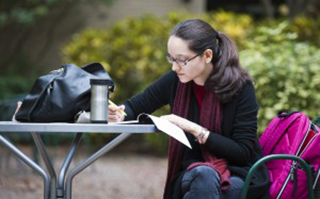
[171, 129]
[126, 122]
[162, 124]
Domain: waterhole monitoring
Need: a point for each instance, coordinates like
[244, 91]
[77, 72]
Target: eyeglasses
[181, 62]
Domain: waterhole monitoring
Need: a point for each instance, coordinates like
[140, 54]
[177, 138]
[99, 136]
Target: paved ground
[115, 176]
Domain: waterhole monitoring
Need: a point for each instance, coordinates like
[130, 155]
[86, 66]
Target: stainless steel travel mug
[99, 100]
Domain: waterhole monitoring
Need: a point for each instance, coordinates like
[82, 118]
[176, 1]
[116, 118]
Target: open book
[166, 127]
[161, 124]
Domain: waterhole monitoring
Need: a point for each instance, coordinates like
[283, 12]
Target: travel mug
[99, 100]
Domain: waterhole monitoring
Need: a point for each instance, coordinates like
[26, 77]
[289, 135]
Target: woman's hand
[115, 113]
[184, 124]
[196, 130]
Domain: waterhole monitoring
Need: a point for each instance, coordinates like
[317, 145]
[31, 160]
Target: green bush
[286, 72]
[12, 85]
[307, 29]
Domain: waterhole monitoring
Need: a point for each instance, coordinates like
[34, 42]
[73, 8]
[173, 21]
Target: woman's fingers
[113, 108]
[122, 107]
[115, 114]
[114, 117]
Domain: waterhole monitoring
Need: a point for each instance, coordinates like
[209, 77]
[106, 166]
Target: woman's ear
[208, 55]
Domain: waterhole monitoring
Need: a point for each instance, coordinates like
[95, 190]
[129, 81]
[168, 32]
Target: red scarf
[210, 118]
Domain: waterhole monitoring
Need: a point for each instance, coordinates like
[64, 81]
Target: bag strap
[97, 70]
[286, 113]
[274, 131]
[272, 126]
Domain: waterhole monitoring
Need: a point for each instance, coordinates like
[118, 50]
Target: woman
[213, 100]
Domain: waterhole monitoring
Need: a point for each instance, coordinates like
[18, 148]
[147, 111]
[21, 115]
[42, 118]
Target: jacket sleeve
[152, 98]
[239, 147]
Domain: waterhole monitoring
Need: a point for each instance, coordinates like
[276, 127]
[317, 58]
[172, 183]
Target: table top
[7, 126]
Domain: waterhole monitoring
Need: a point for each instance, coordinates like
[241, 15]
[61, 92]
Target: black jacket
[238, 142]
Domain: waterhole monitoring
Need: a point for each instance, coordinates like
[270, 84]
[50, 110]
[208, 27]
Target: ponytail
[228, 77]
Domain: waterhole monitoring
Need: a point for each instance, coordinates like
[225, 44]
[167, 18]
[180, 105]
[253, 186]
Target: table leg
[30, 163]
[108, 147]
[65, 166]
[43, 152]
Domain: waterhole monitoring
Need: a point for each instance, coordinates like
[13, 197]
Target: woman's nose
[175, 67]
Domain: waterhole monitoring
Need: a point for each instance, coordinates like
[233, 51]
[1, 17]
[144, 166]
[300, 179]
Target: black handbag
[61, 94]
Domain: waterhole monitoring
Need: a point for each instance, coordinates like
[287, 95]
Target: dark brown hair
[227, 77]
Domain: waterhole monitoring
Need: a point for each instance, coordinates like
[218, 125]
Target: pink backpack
[291, 133]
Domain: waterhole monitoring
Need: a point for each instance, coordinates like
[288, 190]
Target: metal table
[61, 188]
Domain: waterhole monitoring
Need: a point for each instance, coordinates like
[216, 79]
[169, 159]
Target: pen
[122, 112]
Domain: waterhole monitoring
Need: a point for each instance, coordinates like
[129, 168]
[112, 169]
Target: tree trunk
[269, 9]
[297, 7]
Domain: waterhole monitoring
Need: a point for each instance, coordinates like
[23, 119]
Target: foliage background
[283, 56]
[31, 32]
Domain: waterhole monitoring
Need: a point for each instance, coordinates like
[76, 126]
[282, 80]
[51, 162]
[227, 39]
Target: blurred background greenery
[278, 43]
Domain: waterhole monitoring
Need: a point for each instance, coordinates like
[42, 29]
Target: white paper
[126, 122]
[171, 129]
[161, 123]
[83, 117]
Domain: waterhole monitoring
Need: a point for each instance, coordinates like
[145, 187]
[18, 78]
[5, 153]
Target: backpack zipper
[290, 176]
[293, 166]
[314, 137]
[316, 179]
[284, 185]
[304, 139]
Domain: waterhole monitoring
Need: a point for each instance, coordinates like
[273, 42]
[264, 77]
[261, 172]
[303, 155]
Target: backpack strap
[286, 113]
[276, 129]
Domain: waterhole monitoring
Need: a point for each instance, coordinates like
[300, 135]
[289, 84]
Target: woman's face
[197, 69]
